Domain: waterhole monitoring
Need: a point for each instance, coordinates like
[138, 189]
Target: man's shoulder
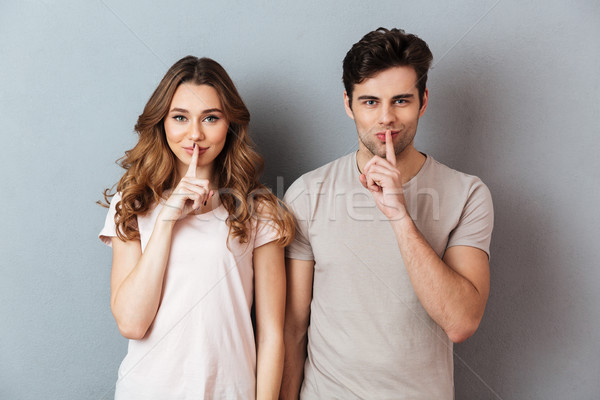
[443, 174]
[322, 174]
[453, 185]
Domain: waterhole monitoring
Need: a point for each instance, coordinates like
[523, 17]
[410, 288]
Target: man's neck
[409, 162]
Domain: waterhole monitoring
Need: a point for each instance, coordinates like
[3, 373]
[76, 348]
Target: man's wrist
[402, 223]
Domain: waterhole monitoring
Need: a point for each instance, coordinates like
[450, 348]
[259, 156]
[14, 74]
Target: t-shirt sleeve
[297, 198]
[266, 232]
[110, 229]
[476, 221]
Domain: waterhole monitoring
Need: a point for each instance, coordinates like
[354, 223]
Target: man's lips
[381, 135]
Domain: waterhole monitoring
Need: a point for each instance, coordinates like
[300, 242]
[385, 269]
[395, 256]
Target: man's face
[388, 100]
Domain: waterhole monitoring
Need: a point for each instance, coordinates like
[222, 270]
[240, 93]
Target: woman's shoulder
[268, 207]
[269, 213]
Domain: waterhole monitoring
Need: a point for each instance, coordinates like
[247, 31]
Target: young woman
[195, 237]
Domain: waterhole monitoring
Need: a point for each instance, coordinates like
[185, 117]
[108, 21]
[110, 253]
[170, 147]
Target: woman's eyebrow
[183, 110]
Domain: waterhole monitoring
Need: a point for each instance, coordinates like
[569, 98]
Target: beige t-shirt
[201, 343]
[369, 336]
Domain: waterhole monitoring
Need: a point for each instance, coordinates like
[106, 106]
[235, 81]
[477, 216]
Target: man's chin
[376, 149]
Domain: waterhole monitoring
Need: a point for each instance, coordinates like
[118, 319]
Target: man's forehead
[396, 80]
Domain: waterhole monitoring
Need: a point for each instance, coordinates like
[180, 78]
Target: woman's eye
[211, 118]
[179, 118]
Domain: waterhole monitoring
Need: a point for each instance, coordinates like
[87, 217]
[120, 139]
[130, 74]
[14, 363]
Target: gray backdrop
[513, 99]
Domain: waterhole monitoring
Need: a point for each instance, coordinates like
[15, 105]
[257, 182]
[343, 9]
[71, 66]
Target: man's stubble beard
[372, 144]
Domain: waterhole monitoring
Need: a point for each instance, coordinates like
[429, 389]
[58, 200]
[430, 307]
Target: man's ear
[347, 105]
[424, 105]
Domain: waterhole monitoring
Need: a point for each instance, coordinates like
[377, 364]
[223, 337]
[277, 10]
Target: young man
[390, 262]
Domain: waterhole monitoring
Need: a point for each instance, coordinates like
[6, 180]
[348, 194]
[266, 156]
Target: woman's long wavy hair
[151, 165]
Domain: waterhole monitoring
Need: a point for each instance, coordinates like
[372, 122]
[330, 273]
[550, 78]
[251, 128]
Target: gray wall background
[513, 99]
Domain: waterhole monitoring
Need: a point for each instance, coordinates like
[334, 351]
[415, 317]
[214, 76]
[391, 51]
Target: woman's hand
[189, 194]
[137, 278]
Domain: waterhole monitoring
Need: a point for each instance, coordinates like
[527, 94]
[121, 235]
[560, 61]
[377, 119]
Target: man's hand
[384, 181]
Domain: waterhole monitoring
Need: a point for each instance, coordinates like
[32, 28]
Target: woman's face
[196, 116]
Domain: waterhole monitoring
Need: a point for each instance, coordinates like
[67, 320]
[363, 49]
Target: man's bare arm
[297, 314]
[454, 290]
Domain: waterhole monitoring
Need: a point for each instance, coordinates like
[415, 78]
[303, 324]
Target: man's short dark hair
[382, 49]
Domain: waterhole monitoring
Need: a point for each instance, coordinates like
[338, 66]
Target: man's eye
[401, 101]
[370, 102]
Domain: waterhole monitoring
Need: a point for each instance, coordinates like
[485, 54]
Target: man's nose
[387, 116]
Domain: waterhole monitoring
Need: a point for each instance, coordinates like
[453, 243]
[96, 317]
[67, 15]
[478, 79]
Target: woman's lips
[190, 150]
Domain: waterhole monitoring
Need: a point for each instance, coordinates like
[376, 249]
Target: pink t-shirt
[201, 343]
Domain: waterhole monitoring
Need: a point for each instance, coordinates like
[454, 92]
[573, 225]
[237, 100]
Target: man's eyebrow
[396, 97]
[367, 97]
[403, 96]
[207, 111]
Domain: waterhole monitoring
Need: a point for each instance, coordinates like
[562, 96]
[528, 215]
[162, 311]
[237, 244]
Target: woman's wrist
[165, 221]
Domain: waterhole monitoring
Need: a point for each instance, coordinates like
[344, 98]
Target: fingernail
[194, 146]
[204, 203]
